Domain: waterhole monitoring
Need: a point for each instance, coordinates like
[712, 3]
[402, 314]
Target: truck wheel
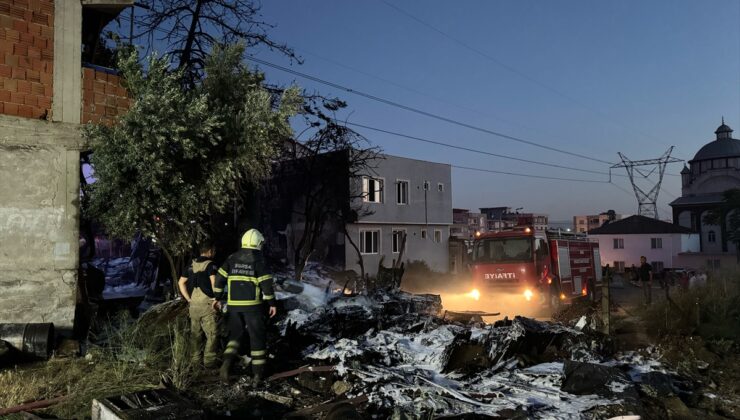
[555, 303]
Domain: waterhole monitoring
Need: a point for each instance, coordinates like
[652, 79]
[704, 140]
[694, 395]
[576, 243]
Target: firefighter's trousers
[253, 320]
[203, 322]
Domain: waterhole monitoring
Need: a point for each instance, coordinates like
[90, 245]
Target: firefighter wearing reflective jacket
[249, 285]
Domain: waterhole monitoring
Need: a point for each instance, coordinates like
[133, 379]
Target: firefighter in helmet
[249, 284]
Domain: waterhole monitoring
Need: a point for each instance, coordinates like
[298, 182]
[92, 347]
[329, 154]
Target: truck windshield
[503, 250]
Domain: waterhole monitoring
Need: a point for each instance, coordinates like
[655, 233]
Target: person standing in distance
[646, 279]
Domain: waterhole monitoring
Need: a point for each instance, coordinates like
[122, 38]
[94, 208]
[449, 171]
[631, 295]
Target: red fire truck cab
[545, 266]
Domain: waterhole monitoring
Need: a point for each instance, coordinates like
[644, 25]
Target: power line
[529, 175]
[413, 90]
[428, 114]
[468, 149]
[513, 70]
[623, 189]
[422, 112]
[418, 92]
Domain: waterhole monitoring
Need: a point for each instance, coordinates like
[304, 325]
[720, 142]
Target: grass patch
[133, 357]
[712, 310]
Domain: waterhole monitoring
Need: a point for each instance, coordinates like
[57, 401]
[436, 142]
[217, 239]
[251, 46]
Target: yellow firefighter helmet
[253, 239]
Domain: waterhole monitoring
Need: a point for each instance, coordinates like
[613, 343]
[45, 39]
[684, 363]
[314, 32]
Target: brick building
[45, 94]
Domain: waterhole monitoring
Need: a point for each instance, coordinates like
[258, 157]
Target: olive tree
[180, 154]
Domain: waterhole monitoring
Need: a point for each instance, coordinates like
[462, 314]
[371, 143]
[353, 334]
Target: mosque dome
[723, 146]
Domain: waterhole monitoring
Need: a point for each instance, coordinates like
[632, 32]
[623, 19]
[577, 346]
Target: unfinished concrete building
[46, 92]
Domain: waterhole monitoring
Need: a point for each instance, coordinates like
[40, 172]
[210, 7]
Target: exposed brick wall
[103, 96]
[26, 57]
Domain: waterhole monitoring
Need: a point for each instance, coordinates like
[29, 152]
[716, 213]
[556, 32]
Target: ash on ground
[393, 355]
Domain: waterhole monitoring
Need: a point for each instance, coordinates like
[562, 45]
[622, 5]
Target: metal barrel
[33, 339]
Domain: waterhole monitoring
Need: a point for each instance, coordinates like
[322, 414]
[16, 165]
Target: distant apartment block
[466, 224]
[583, 224]
[503, 217]
[460, 228]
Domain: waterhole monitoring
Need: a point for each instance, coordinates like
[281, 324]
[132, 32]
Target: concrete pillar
[39, 212]
[67, 101]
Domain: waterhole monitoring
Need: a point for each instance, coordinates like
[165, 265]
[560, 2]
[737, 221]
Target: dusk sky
[589, 77]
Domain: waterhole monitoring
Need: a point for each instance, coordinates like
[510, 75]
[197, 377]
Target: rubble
[588, 378]
[156, 403]
[396, 349]
[412, 359]
[399, 355]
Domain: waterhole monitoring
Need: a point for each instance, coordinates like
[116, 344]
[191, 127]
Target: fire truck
[549, 266]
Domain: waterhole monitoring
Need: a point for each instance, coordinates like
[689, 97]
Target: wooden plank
[32, 405]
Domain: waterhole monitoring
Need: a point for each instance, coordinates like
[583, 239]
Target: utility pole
[605, 307]
[647, 202]
[426, 212]
[131, 26]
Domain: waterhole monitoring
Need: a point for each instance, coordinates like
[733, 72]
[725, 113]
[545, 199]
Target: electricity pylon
[647, 202]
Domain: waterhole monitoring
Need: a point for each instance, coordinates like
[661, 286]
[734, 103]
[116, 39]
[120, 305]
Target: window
[398, 235]
[423, 234]
[541, 252]
[581, 221]
[618, 243]
[440, 187]
[619, 266]
[402, 192]
[372, 190]
[437, 235]
[711, 236]
[657, 266]
[504, 250]
[656, 243]
[369, 241]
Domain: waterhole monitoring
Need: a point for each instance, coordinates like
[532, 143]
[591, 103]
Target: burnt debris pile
[395, 353]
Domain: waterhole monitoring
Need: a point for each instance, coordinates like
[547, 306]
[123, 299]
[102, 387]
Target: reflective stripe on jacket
[246, 276]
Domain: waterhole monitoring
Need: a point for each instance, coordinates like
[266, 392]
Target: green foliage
[712, 310]
[729, 210]
[179, 155]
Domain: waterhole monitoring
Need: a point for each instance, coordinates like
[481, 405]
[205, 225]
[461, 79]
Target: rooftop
[698, 199]
[635, 225]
